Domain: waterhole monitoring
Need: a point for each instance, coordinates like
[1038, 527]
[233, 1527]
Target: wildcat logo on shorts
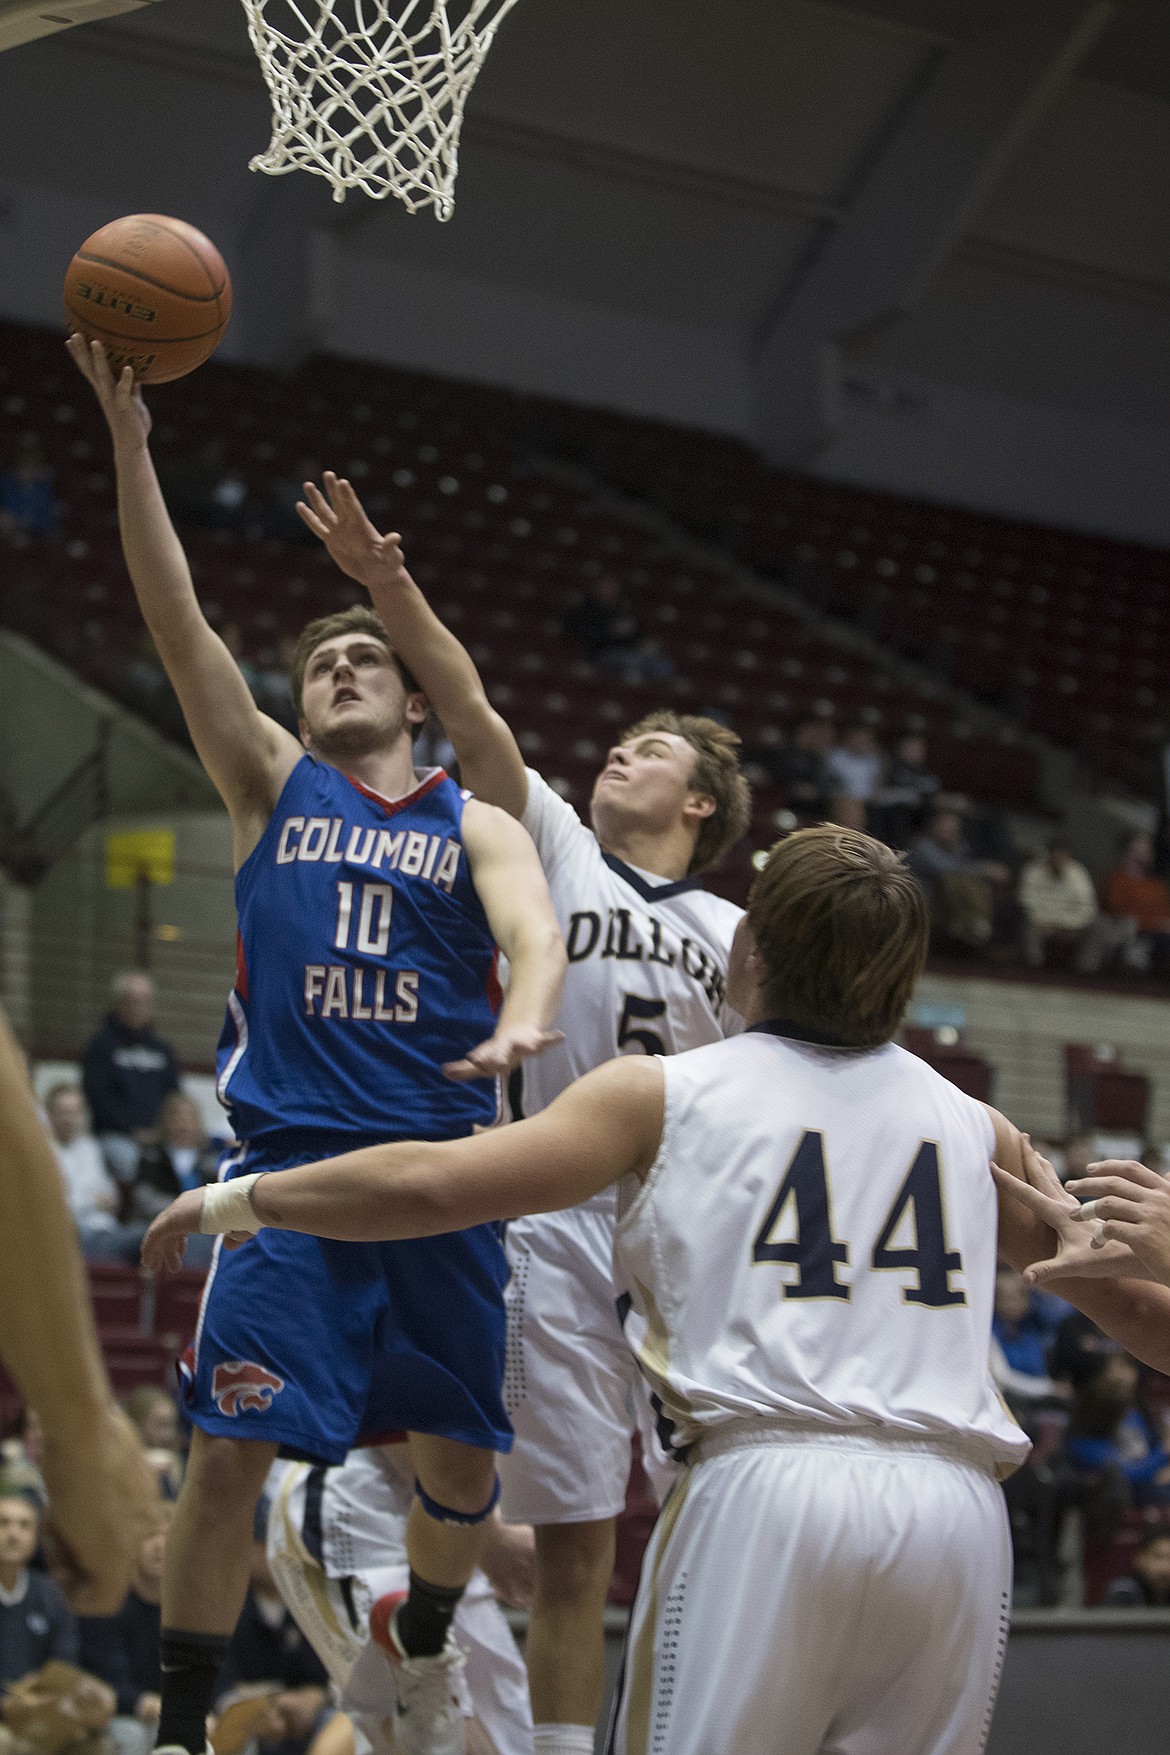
[240, 1387]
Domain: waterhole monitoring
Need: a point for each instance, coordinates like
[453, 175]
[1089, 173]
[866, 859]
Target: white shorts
[570, 1381]
[333, 1614]
[835, 1596]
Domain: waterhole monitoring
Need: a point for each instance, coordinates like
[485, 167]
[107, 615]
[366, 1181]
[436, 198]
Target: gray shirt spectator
[855, 766]
[93, 1195]
[35, 1621]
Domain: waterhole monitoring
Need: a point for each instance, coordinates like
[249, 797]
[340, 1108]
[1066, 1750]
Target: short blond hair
[358, 619]
[717, 773]
[843, 927]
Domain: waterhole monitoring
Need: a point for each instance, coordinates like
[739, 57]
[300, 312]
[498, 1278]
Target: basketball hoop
[370, 93]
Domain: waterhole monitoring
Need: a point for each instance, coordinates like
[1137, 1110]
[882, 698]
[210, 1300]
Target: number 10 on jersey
[816, 1254]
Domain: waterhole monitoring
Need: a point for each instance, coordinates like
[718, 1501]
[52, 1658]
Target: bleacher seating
[500, 539]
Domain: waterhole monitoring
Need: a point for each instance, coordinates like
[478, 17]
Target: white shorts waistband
[876, 1440]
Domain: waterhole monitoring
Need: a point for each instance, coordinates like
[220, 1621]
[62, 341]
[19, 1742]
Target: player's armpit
[606, 1126]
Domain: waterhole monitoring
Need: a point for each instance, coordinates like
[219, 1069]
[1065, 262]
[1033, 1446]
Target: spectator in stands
[1079, 1350]
[20, 1459]
[181, 1157]
[800, 769]
[603, 624]
[268, 1646]
[155, 1416]
[907, 791]
[1059, 905]
[960, 887]
[122, 1649]
[128, 1072]
[204, 490]
[1020, 1341]
[855, 769]
[1134, 893]
[1113, 1440]
[94, 1198]
[26, 491]
[36, 1623]
[1147, 1585]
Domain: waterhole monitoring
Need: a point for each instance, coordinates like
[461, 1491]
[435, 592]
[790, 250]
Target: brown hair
[716, 772]
[843, 928]
[358, 619]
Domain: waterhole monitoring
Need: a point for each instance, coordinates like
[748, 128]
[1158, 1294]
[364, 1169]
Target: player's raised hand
[511, 1044]
[338, 517]
[1044, 1194]
[1126, 1203]
[119, 397]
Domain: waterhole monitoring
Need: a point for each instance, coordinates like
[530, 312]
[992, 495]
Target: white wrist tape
[227, 1206]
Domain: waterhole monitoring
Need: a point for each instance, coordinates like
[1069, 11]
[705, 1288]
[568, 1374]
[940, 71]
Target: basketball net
[370, 93]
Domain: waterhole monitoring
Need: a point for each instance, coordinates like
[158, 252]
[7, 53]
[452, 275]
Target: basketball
[154, 291]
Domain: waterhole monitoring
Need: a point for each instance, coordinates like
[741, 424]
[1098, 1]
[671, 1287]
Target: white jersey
[647, 957]
[816, 1243]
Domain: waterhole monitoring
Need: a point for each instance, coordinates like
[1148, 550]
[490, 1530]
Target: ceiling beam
[962, 123]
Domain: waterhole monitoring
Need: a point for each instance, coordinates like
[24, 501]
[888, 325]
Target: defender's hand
[103, 1502]
[163, 1245]
[120, 398]
[1044, 1194]
[1128, 1204]
[341, 523]
[501, 1052]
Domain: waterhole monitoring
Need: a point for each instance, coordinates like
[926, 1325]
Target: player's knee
[574, 1561]
[226, 1473]
[459, 1478]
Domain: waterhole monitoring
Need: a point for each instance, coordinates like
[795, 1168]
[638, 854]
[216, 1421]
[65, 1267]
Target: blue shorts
[318, 1346]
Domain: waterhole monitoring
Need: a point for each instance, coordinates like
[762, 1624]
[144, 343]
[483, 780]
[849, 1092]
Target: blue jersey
[365, 961]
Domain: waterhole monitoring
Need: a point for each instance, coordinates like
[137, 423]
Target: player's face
[647, 783]
[353, 700]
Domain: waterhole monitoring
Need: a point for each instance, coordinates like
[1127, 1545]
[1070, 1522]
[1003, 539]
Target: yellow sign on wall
[140, 853]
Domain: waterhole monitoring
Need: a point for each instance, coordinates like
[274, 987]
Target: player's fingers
[1037, 1200]
[309, 517]
[319, 503]
[333, 489]
[347, 499]
[1110, 1207]
[1128, 1170]
[1089, 1189]
[469, 1068]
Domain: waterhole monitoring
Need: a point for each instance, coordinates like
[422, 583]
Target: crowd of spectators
[89, 1685]
[127, 1137]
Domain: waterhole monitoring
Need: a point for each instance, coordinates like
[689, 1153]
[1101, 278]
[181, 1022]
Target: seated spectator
[268, 1646]
[1147, 1585]
[1059, 904]
[20, 1459]
[603, 623]
[800, 769]
[1133, 893]
[855, 765]
[182, 1157]
[959, 886]
[155, 1413]
[26, 491]
[94, 1197]
[1111, 1439]
[36, 1628]
[905, 794]
[1079, 1350]
[128, 1070]
[1020, 1341]
[122, 1649]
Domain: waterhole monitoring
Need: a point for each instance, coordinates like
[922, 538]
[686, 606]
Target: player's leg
[565, 1648]
[456, 1493]
[205, 1578]
[568, 1393]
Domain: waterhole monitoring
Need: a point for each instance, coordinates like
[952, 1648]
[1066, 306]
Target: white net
[370, 93]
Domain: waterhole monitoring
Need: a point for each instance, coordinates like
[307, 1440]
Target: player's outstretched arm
[247, 755]
[511, 886]
[606, 1126]
[101, 1489]
[490, 762]
[1036, 1229]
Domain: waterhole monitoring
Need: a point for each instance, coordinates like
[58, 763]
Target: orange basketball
[154, 291]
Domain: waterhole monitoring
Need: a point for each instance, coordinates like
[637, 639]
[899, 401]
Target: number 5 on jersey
[816, 1253]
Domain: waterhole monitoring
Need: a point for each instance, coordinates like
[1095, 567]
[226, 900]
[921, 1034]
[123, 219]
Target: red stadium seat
[176, 1306]
[116, 1294]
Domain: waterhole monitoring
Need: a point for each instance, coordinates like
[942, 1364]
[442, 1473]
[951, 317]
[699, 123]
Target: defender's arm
[511, 886]
[490, 762]
[1134, 1312]
[606, 1126]
[247, 755]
